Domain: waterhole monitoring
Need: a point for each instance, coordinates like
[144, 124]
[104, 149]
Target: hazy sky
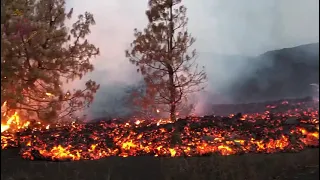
[243, 27]
[246, 27]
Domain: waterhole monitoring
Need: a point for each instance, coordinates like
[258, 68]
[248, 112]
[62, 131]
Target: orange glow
[199, 136]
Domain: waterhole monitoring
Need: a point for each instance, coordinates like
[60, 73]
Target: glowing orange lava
[258, 132]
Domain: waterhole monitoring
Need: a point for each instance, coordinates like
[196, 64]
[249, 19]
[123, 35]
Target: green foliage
[33, 69]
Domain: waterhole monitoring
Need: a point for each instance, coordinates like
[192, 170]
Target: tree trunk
[173, 112]
[170, 70]
[172, 95]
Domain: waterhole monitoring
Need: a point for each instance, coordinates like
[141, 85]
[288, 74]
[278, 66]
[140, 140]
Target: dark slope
[284, 73]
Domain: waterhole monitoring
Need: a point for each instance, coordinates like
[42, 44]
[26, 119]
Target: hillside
[284, 73]
[274, 75]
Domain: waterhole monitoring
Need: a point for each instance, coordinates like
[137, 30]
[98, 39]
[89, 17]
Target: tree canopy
[39, 52]
[162, 54]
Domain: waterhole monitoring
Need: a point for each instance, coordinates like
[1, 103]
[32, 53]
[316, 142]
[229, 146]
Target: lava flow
[283, 127]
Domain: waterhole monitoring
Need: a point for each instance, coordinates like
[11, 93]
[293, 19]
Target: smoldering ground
[230, 35]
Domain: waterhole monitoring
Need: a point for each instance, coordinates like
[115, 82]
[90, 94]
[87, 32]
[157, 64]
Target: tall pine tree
[162, 54]
[39, 53]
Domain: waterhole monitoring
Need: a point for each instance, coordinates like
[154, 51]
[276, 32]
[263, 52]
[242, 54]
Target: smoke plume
[229, 33]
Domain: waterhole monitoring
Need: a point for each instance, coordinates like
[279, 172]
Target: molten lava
[292, 129]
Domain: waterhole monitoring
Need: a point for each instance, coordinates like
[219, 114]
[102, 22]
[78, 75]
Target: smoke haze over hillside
[225, 30]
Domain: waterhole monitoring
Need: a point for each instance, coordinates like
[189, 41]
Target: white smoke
[221, 27]
[316, 91]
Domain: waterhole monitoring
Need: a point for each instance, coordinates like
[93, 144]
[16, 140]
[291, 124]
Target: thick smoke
[229, 33]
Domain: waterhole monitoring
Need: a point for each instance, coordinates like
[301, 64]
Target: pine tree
[162, 54]
[39, 53]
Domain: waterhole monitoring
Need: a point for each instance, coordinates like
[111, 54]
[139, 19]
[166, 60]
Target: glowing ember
[4, 127]
[49, 94]
[15, 123]
[293, 129]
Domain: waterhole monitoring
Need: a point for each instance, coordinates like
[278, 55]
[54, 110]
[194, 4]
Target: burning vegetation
[285, 127]
[34, 71]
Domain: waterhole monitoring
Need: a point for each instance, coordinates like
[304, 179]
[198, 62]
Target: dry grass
[303, 165]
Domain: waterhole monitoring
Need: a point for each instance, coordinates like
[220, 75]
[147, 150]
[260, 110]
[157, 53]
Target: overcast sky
[246, 27]
[242, 27]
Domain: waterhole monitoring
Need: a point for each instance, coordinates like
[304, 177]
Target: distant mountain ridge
[284, 73]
